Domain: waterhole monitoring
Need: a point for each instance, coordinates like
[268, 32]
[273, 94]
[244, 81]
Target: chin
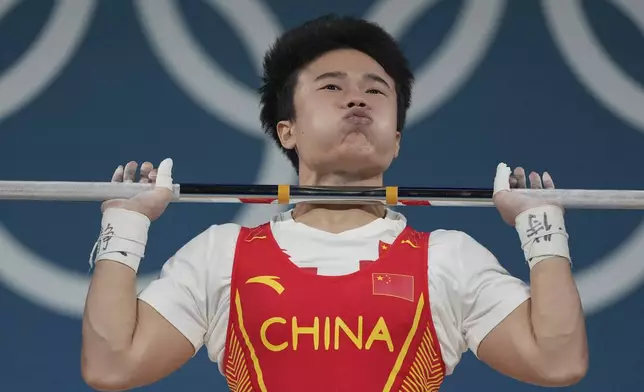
[365, 166]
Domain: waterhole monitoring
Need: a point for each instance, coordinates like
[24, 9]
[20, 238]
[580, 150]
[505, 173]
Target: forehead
[349, 61]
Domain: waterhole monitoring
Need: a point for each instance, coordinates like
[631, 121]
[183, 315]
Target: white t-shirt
[469, 291]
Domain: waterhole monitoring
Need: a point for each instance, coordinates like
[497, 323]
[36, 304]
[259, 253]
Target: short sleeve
[180, 293]
[488, 292]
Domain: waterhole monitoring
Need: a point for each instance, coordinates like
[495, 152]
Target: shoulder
[470, 266]
[451, 237]
[459, 255]
[222, 234]
[211, 241]
[212, 249]
[458, 243]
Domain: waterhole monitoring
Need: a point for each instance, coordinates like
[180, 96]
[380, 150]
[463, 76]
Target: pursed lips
[358, 116]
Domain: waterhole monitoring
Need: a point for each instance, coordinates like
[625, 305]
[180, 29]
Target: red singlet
[293, 330]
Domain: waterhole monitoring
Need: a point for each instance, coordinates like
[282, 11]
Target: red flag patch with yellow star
[393, 285]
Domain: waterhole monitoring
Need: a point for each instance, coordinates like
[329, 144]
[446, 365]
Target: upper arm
[172, 313]
[510, 347]
[158, 347]
[496, 312]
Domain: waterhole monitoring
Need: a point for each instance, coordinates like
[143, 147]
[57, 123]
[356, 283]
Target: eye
[331, 87]
[374, 91]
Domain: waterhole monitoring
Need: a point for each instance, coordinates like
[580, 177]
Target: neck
[308, 178]
[336, 218]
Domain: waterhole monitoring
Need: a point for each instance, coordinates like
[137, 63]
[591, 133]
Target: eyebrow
[342, 75]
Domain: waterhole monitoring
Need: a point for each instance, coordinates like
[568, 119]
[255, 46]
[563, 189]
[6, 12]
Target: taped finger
[502, 178]
[164, 174]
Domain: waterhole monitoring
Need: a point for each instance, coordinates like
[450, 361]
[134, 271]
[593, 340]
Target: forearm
[543, 341]
[556, 315]
[109, 320]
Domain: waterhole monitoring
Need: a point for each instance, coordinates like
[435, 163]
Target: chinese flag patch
[393, 285]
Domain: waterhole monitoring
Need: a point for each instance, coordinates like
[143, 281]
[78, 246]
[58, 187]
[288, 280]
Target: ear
[286, 134]
[398, 136]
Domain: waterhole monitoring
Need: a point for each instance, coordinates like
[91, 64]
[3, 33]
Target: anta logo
[270, 281]
[408, 242]
[256, 234]
[328, 333]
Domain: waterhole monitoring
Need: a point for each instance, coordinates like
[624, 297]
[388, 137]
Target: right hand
[151, 203]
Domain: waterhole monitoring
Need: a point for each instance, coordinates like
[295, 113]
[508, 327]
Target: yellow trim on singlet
[403, 351]
[253, 355]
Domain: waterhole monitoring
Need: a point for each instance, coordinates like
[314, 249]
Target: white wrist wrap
[543, 234]
[123, 237]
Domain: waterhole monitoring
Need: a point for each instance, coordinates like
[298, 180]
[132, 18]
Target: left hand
[511, 204]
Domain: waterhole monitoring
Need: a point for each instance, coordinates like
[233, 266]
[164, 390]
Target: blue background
[114, 101]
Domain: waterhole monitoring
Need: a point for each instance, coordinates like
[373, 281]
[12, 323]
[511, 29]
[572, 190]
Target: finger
[130, 171]
[164, 174]
[513, 182]
[118, 174]
[519, 173]
[548, 183]
[146, 168]
[535, 181]
[502, 178]
[153, 176]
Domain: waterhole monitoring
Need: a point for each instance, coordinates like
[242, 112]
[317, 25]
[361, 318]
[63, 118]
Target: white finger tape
[164, 174]
[502, 178]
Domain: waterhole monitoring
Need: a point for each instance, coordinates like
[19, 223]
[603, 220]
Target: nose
[356, 102]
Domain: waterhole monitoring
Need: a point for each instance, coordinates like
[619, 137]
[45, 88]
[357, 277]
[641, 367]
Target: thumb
[502, 178]
[163, 184]
[112, 203]
[164, 174]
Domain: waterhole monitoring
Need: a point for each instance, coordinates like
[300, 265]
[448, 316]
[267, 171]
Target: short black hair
[301, 45]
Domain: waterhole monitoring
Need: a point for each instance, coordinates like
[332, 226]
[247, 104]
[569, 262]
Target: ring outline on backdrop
[22, 270]
[621, 271]
[23, 264]
[31, 275]
[219, 94]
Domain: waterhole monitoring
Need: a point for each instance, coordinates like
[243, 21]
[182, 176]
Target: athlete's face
[345, 116]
